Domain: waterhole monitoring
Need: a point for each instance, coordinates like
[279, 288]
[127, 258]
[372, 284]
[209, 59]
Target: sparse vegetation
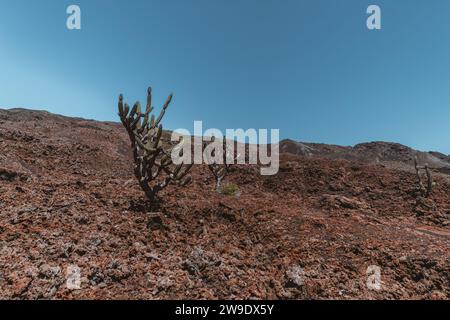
[190, 246]
[153, 165]
[230, 189]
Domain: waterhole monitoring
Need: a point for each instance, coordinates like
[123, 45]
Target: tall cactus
[151, 159]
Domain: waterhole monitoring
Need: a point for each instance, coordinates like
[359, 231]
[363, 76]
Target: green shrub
[230, 189]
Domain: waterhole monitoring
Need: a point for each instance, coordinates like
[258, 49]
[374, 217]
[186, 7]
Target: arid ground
[68, 197]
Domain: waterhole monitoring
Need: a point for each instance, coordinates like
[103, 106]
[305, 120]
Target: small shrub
[230, 189]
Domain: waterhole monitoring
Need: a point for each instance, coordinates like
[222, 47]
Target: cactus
[151, 159]
[220, 171]
[424, 191]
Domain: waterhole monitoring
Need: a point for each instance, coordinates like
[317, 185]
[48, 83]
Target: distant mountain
[388, 153]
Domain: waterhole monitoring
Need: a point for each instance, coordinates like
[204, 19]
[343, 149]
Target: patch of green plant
[230, 189]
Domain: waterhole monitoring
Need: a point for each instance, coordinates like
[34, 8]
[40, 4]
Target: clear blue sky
[310, 68]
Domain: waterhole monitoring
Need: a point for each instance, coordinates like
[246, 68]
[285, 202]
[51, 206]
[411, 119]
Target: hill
[68, 197]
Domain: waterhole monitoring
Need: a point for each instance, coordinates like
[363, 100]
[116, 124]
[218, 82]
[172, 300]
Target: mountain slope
[68, 197]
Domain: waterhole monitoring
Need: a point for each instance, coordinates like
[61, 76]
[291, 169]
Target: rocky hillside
[393, 155]
[68, 198]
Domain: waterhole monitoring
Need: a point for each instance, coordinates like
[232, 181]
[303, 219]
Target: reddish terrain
[68, 197]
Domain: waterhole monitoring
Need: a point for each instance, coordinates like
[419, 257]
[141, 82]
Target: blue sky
[310, 68]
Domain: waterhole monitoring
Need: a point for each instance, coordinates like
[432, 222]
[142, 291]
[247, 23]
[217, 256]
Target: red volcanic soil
[68, 197]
